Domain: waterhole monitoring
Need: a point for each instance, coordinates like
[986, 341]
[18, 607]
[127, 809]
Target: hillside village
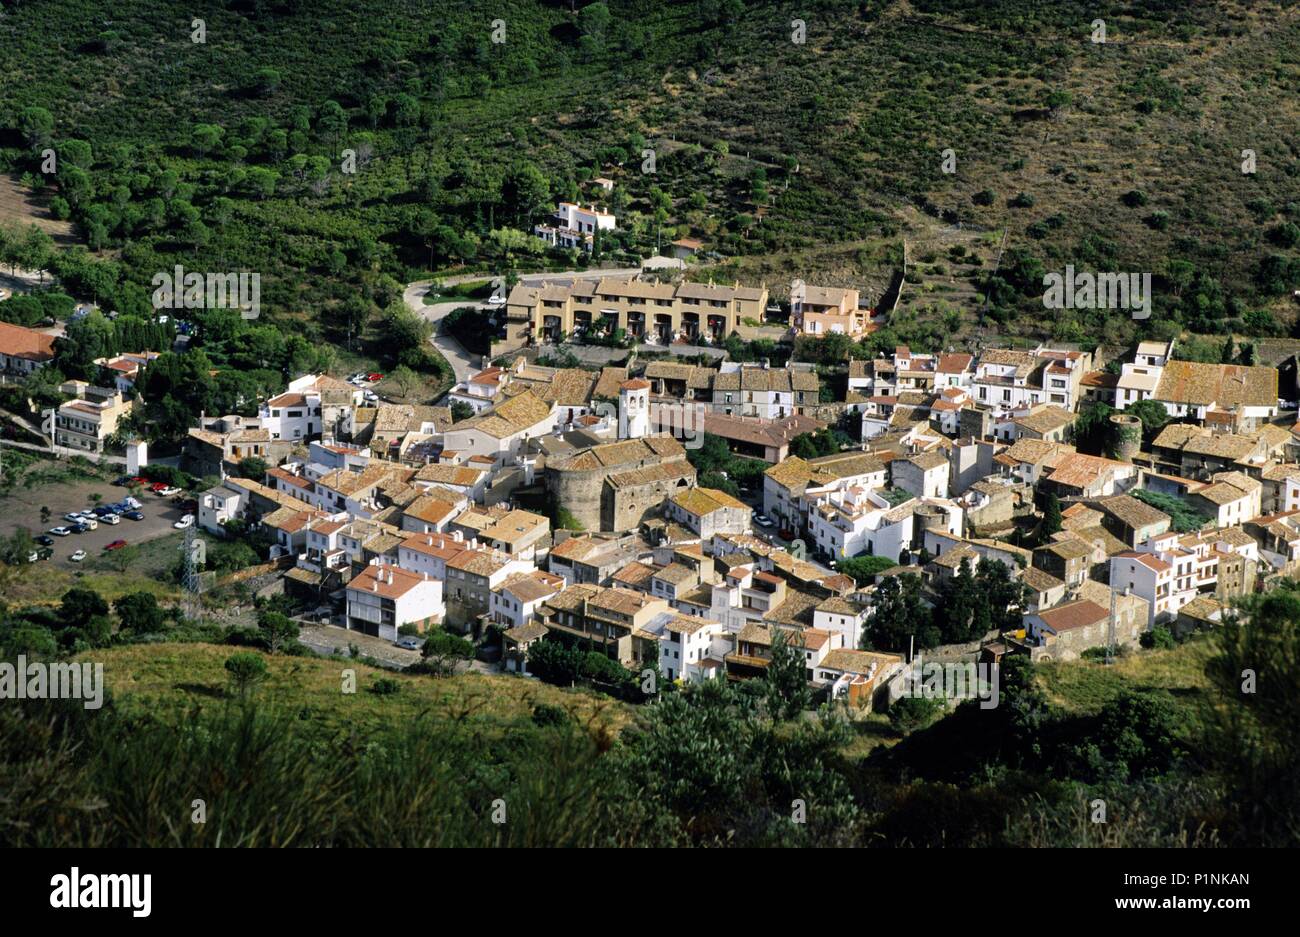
[565, 504]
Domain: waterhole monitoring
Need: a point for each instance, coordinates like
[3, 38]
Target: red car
[372, 378]
[138, 481]
[159, 486]
[116, 545]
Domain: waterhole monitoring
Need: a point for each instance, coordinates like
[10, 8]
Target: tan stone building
[614, 486]
[647, 311]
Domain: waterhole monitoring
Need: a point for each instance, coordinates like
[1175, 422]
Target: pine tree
[1052, 522]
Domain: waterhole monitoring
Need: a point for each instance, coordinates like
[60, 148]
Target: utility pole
[191, 582]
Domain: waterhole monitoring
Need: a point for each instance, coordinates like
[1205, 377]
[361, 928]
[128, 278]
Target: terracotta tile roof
[287, 400]
[1227, 385]
[848, 660]
[28, 344]
[1046, 419]
[1073, 615]
[1132, 512]
[953, 363]
[531, 587]
[390, 582]
[634, 573]
[702, 501]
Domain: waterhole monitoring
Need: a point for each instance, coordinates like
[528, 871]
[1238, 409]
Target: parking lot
[22, 508]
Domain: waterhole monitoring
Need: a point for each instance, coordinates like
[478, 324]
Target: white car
[186, 521]
[111, 519]
[762, 520]
[169, 491]
[73, 517]
[78, 556]
[371, 396]
[59, 531]
[495, 300]
[89, 521]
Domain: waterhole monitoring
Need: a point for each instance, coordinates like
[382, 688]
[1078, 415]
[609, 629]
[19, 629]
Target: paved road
[60, 451]
[464, 364]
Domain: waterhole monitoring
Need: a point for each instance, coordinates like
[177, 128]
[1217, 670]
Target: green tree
[910, 713]
[139, 613]
[277, 629]
[252, 467]
[786, 677]
[1253, 727]
[1052, 521]
[1153, 415]
[79, 605]
[900, 615]
[443, 652]
[1137, 734]
[246, 671]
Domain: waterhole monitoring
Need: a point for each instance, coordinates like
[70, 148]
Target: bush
[546, 715]
[910, 713]
[1159, 637]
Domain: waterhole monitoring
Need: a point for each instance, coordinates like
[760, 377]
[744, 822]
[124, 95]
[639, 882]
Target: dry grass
[161, 676]
[19, 206]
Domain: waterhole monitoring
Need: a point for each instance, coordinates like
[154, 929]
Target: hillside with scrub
[822, 158]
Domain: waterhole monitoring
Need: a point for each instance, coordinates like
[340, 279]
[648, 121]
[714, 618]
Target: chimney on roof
[430, 540]
[374, 585]
[390, 577]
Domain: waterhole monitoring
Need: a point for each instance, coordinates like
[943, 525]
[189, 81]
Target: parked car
[409, 644]
[60, 531]
[72, 516]
[496, 300]
[186, 521]
[122, 481]
[112, 520]
[44, 553]
[374, 378]
[132, 503]
[101, 511]
[115, 545]
[158, 487]
[78, 556]
[80, 528]
[170, 491]
[89, 522]
[138, 480]
[133, 516]
[45, 540]
[762, 520]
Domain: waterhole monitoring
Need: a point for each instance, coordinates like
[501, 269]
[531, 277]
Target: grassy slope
[1083, 688]
[159, 677]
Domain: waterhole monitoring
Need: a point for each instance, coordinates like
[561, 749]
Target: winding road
[463, 364]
